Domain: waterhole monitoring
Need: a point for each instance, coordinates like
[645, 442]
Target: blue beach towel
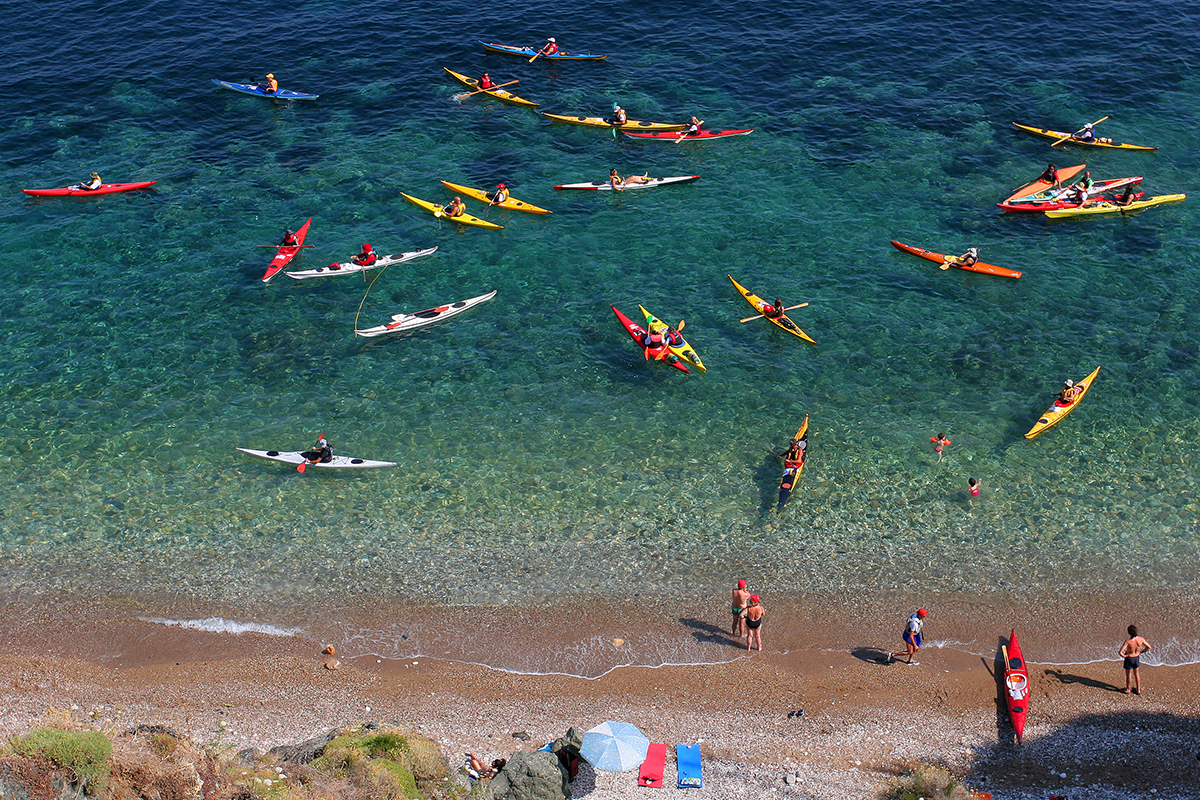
[687, 757]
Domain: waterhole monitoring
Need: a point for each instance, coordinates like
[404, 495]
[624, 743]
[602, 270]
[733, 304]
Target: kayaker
[455, 208]
[1050, 176]
[1084, 188]
[366, 257]
[615, 180]
[674, 337]
[912, 637]
[644, 178]
[1088, 133]
[486, 82]
[967, 259]
[654, 340]
[549, 48]
[1126, 197]
[271, 86]
[794, 455]
[92, 183]
[773, 311]
[619, 117]
[1069, 394]
[289, 238]
[500, 195]
[693, 127]
[321, 452]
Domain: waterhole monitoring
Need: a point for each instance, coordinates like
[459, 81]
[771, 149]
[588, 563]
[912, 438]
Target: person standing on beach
[754, 620]
[741, 598]
[1132, 651]
[912, 636]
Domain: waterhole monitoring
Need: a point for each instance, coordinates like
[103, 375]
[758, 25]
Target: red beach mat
[651, 773]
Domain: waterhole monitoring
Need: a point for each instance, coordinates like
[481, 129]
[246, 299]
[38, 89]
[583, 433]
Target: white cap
[551, 39]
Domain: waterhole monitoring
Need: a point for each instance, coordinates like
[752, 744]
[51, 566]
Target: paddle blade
[301, 467]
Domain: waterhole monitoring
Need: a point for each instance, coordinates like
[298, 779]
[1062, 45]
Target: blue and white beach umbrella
[614, 747]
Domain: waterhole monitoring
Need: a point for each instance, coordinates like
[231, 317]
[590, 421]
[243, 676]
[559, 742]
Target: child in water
[972, 490]
[939, 443]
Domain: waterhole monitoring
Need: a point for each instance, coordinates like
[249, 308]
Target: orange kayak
[979, 266]
[1065, 174]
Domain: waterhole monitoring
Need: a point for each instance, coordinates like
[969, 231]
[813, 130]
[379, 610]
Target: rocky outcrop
[531, 776]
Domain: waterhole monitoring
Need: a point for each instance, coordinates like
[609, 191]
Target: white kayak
[350, 268]
[338, 462]
[407, 322]
[605, 186]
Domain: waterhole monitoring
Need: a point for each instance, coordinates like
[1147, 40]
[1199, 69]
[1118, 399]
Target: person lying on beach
[480, 771]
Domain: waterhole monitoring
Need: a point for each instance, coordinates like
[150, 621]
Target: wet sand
[863, 722]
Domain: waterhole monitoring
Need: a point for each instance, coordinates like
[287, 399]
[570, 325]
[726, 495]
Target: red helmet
[501, 186]
[366, 248]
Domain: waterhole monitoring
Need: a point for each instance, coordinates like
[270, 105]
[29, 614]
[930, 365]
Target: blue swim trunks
[909, 636]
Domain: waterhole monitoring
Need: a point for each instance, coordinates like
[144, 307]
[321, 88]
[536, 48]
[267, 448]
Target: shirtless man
[741, 599]
[1132, 651]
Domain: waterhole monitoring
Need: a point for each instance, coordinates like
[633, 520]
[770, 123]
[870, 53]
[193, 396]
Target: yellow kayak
[629, 125]
[500, 94]
[683, 350]
[758, 304]
[1114, 208]
[1056, 412]
[512, 203]
[1070, 138]
[436, 210]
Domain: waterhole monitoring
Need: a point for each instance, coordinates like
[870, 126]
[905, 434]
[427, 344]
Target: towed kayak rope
[362, 302]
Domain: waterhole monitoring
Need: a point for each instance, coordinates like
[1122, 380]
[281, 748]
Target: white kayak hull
[605, 186]
[430, 316]
[338, 462]
[350, 268]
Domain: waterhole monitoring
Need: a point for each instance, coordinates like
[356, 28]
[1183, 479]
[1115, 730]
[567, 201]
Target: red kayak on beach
[286, 253]
[75, 191]
[1016, 685]
[672, 136]
[662, 353]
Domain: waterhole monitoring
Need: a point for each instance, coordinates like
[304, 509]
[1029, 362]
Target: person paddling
[486, 82]
[366, 257]
[321, 453]
[289, 239]
[549, 48]
[271, 86]
[1069, 394]
[1126, 197]
[500, 195]
[619, 117]
[693, 128]
[773, 311]
[92, 184]
[455, 208]
[1050, 176]
[1088, 134]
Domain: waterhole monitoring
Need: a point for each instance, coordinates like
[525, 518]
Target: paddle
[1081, 130]
[1004, 649]
[301, 467]
[285, 245]
[758, 316]
[464, 95]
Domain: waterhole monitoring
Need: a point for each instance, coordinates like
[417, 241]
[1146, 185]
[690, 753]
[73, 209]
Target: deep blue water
[538, 452]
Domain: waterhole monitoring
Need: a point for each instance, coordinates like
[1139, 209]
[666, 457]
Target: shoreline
[863, 722]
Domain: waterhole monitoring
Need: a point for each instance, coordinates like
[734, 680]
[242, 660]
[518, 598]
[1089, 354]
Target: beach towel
[688, 758]
[651, 773]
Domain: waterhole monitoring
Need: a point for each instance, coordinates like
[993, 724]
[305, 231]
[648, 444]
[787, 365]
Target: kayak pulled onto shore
[758, 303]
[627, 125]
[1057, 412]
[511, 204]
[529, 52]
[1016, 685]
[1069, 138]
[75, 191]
[353, 268]
[1116, 208]
[499, 94]
[649, 183]
[950, 261]
[439, 212]
[297, 458]
[407, 322]
[286, 253]
[638, 333]
[258, 91]
[698, 136]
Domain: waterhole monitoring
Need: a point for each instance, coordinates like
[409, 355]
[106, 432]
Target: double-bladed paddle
[1081, 130]
[304, 466]
[464, 95]
[757, 316]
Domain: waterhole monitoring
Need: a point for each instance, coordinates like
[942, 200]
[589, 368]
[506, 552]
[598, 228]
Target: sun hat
[753, 598]
[741, 584]
[921, 612]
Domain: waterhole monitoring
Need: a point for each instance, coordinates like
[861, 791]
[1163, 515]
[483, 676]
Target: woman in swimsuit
[754, 620]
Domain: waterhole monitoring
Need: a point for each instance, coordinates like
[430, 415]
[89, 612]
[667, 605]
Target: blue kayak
[257, 91]
[529, 52]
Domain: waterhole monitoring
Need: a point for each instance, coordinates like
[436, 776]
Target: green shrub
[84, 754]
[928, 783]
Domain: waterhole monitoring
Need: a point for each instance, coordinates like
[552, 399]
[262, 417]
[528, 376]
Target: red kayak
[675, 136]
[1061, 175]
[662, 353]
[75, 191]
[1016, 685]
[286, 253]
[1065, 197]
[947, 261]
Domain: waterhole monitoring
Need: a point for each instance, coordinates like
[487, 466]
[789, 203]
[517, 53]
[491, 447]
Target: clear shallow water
[539, 454]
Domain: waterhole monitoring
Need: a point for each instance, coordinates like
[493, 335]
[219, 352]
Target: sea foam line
[222, 625]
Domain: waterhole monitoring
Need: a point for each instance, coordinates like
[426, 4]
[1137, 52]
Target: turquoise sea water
[539, 454]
